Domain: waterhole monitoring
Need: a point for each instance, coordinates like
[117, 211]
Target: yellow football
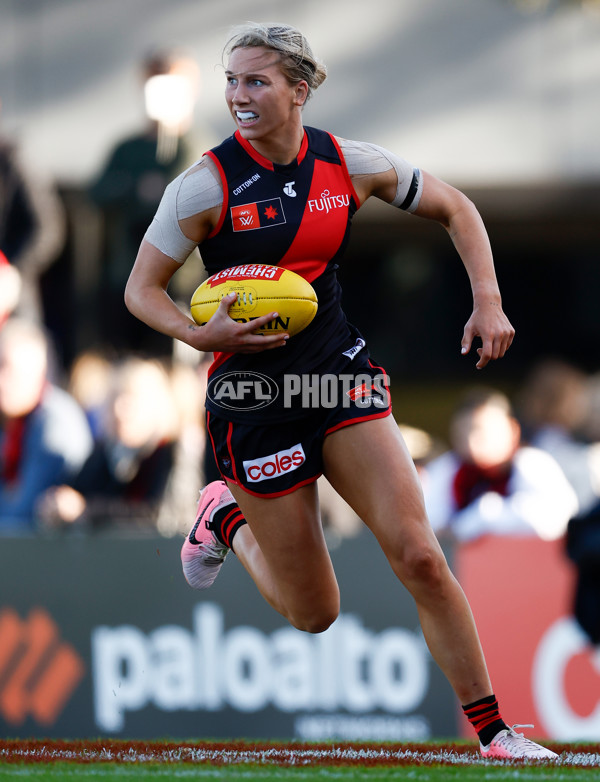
[261, 289]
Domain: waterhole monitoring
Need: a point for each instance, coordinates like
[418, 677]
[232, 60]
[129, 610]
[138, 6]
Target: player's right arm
[167, 244]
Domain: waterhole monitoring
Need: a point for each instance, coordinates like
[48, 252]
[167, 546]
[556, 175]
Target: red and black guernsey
[297, 216]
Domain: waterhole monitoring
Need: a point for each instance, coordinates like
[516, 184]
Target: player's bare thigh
[369, 465]
[290, 537]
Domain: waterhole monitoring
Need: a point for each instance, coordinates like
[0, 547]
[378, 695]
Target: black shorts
[272, 460]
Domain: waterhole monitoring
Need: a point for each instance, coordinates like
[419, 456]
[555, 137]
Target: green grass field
[108, 773]
[102, 759]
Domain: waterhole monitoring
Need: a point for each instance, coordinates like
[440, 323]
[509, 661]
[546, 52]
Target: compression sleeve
[364, 158]
[193, 191]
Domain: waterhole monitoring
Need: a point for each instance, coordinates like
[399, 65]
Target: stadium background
[500, 98]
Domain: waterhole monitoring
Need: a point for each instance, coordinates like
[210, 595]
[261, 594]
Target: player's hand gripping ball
[261, 289]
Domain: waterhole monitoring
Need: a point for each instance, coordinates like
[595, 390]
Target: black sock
[226, 522]
[484, 716]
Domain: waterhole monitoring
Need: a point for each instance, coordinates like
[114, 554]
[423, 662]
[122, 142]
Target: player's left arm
[459, 216]
[451, 208]
[377, 172]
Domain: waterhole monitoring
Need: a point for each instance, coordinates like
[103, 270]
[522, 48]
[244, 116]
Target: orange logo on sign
[38, 671]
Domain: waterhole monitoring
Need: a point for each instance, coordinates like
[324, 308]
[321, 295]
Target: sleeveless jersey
[296, 216]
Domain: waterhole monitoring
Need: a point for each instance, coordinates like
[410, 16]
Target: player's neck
[282, 149]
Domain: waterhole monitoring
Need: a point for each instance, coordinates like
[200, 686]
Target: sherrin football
[261, 289]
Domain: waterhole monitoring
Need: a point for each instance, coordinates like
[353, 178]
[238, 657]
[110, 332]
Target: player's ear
[300, 93]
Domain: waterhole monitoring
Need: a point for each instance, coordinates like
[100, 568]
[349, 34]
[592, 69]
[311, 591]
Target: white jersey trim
[364, 158]
[193, 191]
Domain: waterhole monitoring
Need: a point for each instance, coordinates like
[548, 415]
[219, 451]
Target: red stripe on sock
[233, 512]
[231, 523]
[484, 716]
[484, 723]
[480, 709]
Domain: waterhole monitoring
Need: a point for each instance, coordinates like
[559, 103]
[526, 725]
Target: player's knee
[317, 624]
[316, 620]
[424, 566]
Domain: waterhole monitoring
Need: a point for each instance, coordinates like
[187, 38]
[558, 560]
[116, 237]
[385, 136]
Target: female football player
[277, 192]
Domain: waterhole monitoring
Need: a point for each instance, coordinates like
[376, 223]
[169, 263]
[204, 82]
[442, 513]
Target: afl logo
[242, 391]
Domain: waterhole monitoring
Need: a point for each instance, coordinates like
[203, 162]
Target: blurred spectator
[124, 478]
[422, 446]
[591, 423]
[10, 288]
[489, 483]
[583, 535]
[129, 188]
[89, 384]
[188, 384]
[32, 226]
[554, 405]
[44, 437]
[583, 548]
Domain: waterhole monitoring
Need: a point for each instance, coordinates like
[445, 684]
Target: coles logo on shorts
[275, 465]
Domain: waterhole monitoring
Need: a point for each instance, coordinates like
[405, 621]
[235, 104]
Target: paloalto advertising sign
[347, 670]
[102, 636]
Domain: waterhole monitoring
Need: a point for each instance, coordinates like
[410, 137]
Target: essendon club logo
[261, 214]
[38, 671]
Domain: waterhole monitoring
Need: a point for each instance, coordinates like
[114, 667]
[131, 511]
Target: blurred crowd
[118, 442]
[115, 435]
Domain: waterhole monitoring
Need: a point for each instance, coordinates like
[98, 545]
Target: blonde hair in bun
[298, 62]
